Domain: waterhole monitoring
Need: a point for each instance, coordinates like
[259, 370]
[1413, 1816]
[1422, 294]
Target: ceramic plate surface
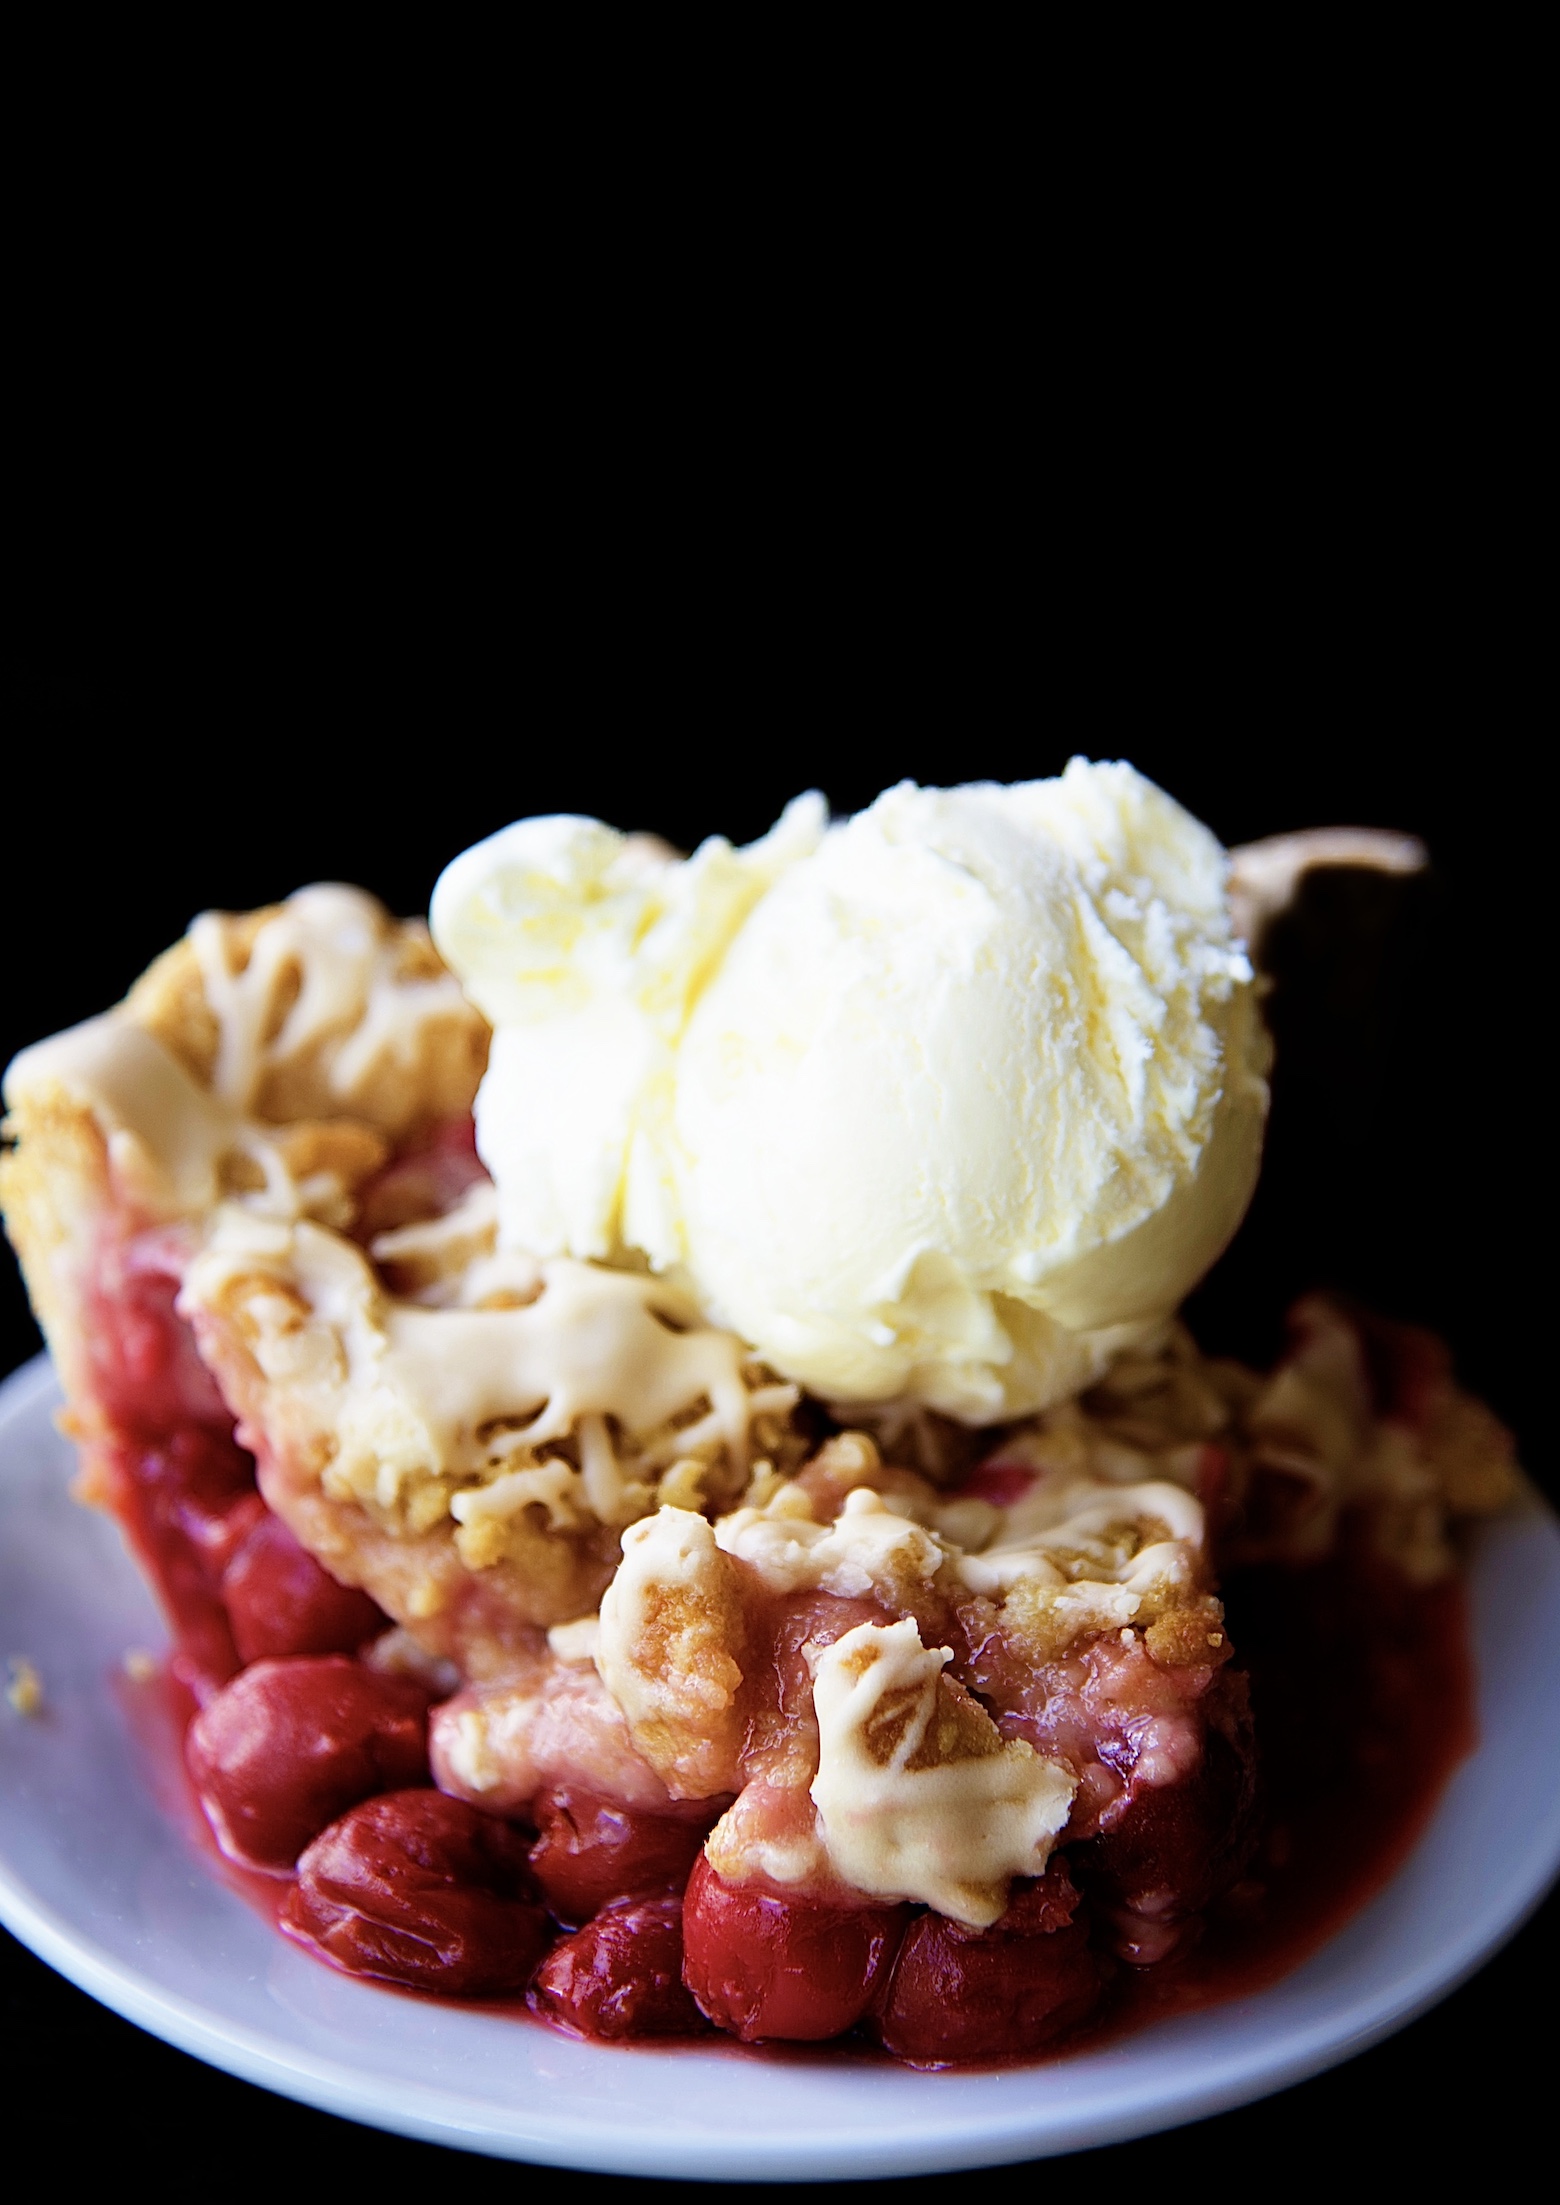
[112, 1892]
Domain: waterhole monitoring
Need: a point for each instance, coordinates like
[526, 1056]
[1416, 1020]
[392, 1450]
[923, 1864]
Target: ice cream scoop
[946, 1102]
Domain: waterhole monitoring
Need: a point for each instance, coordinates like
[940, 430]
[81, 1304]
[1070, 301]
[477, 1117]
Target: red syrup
[1363, 1697]
[157, 1711]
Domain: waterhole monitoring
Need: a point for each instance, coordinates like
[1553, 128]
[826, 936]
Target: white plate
[109, 1891]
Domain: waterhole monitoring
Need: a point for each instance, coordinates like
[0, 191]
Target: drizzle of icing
[165, 1134]
[918, 1795]
[411, 1394]
[349, 984]
[1134, 1536]
[330, 982]
[868, 1548]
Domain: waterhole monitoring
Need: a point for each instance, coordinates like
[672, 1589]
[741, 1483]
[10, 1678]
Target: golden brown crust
[400, 1089]
[169, 999]
[1165, 1398]
[400, 1095]
[55, 1187]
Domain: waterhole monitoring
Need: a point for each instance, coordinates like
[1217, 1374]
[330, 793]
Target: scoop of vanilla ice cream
[586, 950]
[947, 1102]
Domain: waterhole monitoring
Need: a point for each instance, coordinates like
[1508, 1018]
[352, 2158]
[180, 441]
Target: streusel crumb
[25, 1690]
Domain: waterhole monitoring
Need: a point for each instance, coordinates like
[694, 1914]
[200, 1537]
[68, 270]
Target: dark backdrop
[155, 777]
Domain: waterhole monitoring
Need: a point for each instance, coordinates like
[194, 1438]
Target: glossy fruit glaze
[292, 1743]
[621, 1976]
[422, 1890]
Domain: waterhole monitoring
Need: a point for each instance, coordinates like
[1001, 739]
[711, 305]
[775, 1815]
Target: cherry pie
[547, 1643]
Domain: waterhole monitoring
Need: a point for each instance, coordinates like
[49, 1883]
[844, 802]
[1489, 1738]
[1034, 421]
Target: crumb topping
[273, 1057]
[669, 1647]
[573, 1400]
[24, 1692]
[869, 1547]
[316, 1007]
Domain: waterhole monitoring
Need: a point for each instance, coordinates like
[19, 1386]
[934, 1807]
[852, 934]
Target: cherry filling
[1363, 1688]
[959, 1994]
[289, 1745]
[420, 1889]
[168, 1465]
[280, 1601]
[621, 1975]
[761, 1965]
[304, 1757]
[591, 1853]
[1173, 1849]
[1166, 1810]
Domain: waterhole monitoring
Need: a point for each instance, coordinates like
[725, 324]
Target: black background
[211, 755]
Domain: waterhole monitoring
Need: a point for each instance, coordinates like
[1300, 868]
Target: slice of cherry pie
[543, 1636]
